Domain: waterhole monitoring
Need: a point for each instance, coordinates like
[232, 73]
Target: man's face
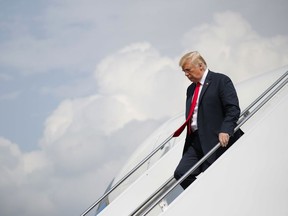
[193, 72]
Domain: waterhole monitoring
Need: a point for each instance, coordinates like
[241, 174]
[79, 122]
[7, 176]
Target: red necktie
[189, 118]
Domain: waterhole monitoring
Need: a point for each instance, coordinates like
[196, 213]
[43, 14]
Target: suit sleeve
[230, 106]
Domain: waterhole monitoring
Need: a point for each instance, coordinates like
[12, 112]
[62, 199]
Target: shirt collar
[204, 76]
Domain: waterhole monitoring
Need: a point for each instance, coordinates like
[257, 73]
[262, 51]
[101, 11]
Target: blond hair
[194, 57]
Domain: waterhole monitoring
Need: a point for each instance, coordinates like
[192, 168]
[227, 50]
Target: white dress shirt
[194, 117]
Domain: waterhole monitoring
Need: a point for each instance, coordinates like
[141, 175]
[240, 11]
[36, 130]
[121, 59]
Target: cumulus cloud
[230, 45]
[143, 79]
[19, 190]
[134, 86]
[87, 139]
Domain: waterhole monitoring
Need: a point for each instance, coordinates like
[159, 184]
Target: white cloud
[231, 46]
[134, 84]
[143, 79]
[18, 191]
[10, 158]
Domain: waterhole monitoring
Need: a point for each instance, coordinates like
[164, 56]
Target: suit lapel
[205, 86]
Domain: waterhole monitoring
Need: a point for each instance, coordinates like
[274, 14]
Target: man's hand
[224, 139]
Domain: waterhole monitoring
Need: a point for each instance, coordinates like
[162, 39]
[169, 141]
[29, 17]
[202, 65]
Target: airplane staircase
[149, 187]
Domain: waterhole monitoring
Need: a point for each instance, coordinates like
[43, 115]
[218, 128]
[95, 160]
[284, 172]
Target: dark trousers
[191, 156]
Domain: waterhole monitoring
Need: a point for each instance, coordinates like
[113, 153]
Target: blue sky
[77, 80]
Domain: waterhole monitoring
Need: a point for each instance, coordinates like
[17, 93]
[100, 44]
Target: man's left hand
[224, 139]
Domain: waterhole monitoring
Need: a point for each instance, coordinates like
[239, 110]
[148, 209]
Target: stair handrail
[127, 175]
[244, 112]
[247, 116]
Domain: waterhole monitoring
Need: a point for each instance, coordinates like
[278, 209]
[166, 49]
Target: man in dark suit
[214, 118]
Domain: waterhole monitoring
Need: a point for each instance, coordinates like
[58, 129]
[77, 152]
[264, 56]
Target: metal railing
[128, 175]
[243, 118]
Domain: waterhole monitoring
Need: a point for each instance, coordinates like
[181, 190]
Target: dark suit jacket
[218, 111]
